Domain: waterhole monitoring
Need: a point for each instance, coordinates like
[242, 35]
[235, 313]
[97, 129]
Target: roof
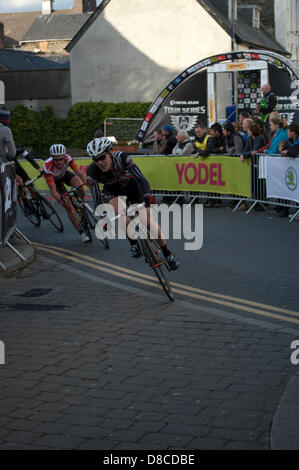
[62, 26]
[22, 60]
[16, 25]
[244, 32]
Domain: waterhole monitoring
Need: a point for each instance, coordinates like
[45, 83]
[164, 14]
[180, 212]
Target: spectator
[98, 133]
[279, 134]
[282, 145]
[257, 120]
[291, 148]
[255, 141]
[202, 141]
[238, 126]
[7, 145]
[234, 142]
[245, 126]
[218, 141]
[158, 142]
[184, 145]
[267, 104]
[169, 140]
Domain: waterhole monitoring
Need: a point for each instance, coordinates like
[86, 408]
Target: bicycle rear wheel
[92, 223]
[29, 210]
[151, 252]
[50, 214]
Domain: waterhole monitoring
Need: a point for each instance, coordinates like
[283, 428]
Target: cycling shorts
[132, 191]
[66, 179]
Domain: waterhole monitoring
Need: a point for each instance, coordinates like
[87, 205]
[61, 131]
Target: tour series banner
[213, 174]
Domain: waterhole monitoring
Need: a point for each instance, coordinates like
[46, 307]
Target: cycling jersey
[54, 174]
[125, 178]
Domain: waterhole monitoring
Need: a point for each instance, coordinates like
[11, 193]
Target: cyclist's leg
[68, 206]
[74, 181]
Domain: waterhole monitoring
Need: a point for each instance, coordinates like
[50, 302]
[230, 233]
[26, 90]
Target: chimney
[2, 45]
[84, 6]
[47, 7]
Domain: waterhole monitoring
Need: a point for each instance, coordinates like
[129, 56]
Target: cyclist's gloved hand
[149, 199]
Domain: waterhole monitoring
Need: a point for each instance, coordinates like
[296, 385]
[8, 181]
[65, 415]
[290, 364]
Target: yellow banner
[213, 174]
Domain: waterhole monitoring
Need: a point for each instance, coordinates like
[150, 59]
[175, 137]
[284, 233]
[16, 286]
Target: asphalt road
[248, 265]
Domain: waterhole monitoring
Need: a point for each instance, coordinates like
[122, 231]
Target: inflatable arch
[203, 92]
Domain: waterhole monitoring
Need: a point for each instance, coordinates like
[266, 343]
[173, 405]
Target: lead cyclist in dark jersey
[122, 177]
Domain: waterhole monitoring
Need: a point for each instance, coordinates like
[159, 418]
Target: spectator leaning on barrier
[169, 140]
[234, 142]
[291, 148]
[184, 145]
[159, 142]
[7, 145]
[255, 141]
[202, 142]
[279, 134]
[218, 140]
[245, 126]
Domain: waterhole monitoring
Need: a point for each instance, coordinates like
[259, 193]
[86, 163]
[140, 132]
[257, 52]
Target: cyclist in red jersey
[57, 174]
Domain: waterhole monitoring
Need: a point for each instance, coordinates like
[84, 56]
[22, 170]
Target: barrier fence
[7, 201]
[222, 177]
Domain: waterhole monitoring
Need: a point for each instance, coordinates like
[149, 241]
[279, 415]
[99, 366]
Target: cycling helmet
[57, 149]
[98, 146]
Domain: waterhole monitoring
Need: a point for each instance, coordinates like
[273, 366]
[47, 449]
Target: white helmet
[98, 146]
[57, 149]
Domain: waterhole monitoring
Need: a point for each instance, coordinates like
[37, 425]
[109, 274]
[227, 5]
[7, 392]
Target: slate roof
[218, 9]
[22, 60]
[15, 26]
[59, 27]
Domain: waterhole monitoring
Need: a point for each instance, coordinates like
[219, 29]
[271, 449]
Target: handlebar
[73, 190]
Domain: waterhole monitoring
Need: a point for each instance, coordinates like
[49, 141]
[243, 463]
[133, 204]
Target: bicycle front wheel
[150, 250]
[29, 210]
[50, 214]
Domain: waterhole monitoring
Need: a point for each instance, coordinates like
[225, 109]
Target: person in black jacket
[291, 147]
[234, 142]
[169, 140]
[218, 140]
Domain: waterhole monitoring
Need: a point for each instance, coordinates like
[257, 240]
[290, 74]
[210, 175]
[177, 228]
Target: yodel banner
[8, 201]
[213, 174]
[282, 178]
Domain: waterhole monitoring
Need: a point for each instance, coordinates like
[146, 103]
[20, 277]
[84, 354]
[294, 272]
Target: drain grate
[32, 307]
[35, 293]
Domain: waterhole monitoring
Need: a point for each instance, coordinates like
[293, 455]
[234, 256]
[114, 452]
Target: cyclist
[21, 175]
[57, 174]
[121, 177]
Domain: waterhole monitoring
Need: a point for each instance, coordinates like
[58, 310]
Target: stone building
[128, 50]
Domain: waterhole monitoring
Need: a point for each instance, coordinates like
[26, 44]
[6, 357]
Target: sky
[8, 6]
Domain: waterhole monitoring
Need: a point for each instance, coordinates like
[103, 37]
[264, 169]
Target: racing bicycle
[37, 208]
[149, 247]
[85, 215]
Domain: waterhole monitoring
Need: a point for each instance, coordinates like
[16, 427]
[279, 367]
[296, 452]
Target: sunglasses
[58, 159]
[100, 158]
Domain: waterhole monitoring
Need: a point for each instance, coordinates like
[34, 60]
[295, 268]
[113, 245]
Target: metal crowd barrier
[258, 193]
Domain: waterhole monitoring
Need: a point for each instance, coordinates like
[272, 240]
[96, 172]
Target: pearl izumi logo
[291, 178]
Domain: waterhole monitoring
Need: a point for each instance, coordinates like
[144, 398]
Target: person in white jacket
[184, 145]
[7, 145]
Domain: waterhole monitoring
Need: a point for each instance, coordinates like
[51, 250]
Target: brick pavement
[89, 367]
